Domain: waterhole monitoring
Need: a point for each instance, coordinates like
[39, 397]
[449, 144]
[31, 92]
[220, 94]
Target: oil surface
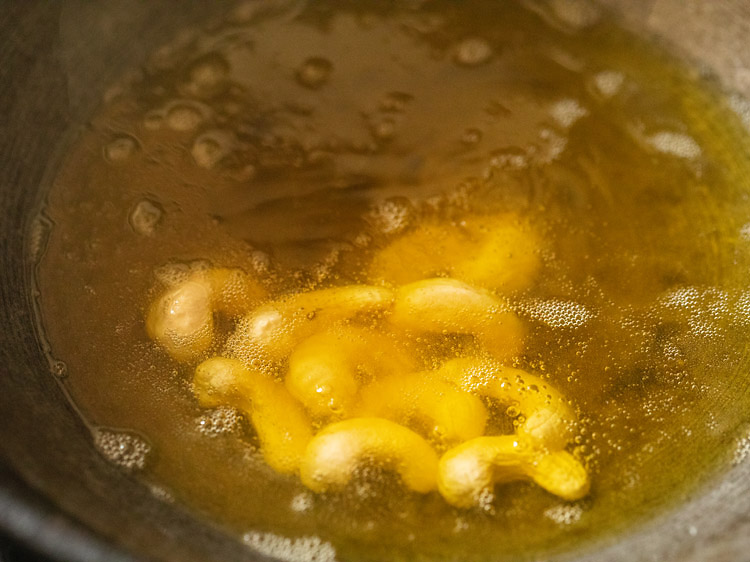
[296, 141]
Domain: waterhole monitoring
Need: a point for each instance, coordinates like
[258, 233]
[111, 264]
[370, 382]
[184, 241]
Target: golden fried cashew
[449, 415]
[549, 420]
[496, 252]
[280, 422]
[274, 329]
[506, 258]
[451, 306]
[326, 369]
[334, 454]
[182, 318]
[468, 473]
[428, 250]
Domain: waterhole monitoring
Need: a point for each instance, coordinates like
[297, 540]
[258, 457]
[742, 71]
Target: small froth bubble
[161, 493]
[314, 72]
[145, 217]
[59, 368]
[302, 502]
[302, 549]
[392, 215]
[172, 274]
[212, 147]
[473, 51]
[219, 421]
[564, 514]
[557, 313]
[182, 117]
[675, 144]
[123, 448]
[120, 149]
[742, 451]
[208, 76]
[38, 236]
[608, 83]
[552, 148]
[567, 112]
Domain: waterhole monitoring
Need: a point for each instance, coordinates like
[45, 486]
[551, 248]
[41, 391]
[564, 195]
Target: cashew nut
[496, 252]
[420, 400]
[326, 369]
[430, 249]
[469, 472]
[272, 330]
[451, 306]
[549, 420]
[506, 258]
[334, 454]
[182, 318]
[280, 422]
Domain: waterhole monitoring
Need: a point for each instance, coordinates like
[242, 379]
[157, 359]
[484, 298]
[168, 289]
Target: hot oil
[296, 142]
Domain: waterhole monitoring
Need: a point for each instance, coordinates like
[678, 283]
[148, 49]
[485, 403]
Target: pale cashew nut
[271, 331]
[327, 369]
[448, 415]
[451, 306]
[282, 426]
[334, 454]
[181, 319]
[548, 419]
[467, 473]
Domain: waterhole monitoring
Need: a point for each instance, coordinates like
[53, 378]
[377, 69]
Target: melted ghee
[297, 143]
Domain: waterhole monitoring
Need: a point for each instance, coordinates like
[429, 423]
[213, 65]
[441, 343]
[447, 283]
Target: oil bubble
[145, 217]
[568, 112]
[120, 149]
[314, 72]
[675, 144]
[212, 147]
[123, 448]
[38, 237]
[303, 549]
[557, 313]
[208, 76]
[183, 117]
[608, 83]
[172, 274]
[564, 514]
[59, 368]
[473, 51]
[302, 502]
[392, 215]
[219, 422]
[742, 450]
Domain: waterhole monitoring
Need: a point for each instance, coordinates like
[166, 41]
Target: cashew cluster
[338, 378]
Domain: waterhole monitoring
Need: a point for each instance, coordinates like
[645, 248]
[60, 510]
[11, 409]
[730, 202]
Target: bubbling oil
[302, 142]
